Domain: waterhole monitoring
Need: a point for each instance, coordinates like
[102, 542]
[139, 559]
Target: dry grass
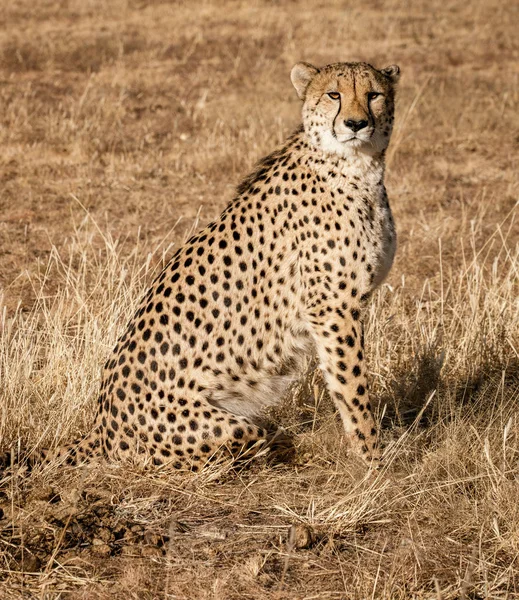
[126, 124]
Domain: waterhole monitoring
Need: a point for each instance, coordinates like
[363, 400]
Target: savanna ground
[125, 125]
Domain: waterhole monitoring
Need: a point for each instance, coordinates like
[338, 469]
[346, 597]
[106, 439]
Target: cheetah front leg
[339, 340]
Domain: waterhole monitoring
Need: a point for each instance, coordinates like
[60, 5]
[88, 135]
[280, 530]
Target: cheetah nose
[356, 125]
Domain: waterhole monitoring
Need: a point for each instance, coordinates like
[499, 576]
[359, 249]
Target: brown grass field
[124, 125]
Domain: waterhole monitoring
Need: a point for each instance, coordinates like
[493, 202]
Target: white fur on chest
[384, 253]
[362, 179]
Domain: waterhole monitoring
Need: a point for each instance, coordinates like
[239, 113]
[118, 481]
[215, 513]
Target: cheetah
[284, 273]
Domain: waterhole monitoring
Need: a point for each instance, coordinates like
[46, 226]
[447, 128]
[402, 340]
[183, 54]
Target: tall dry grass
[124, 126]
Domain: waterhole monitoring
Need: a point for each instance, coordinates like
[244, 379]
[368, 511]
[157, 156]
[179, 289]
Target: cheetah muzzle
[283, 273]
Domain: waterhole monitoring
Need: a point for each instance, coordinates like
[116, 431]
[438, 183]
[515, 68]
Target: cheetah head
[347, 107]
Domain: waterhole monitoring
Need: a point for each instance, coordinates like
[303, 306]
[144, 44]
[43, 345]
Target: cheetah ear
[392, 72]
[301, 75]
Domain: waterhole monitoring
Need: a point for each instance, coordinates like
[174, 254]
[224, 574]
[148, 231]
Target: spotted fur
[284, 272]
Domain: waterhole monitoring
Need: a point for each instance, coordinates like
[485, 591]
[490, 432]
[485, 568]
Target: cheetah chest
[384, 249]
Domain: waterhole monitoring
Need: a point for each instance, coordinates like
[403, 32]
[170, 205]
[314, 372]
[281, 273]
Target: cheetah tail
[78, 452]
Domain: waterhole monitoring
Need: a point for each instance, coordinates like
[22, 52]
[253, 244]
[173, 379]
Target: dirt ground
[125, 125]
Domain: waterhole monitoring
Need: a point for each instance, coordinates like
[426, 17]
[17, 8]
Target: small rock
[104, 534]
[99, 547]
[303, 536]
[72, 496]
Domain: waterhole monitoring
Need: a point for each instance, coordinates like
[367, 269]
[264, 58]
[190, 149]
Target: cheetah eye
[373, 95]
[334, 95]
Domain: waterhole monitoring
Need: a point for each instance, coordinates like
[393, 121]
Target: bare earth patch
[124, 126]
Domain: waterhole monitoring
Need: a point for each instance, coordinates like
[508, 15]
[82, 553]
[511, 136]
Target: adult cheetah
[285, 271]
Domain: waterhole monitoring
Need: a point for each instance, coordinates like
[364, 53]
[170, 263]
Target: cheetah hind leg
[222, 436]
[273, 446]
[247, 438]
[243, 441]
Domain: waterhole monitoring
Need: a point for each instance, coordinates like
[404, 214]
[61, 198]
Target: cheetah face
[347, 107]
